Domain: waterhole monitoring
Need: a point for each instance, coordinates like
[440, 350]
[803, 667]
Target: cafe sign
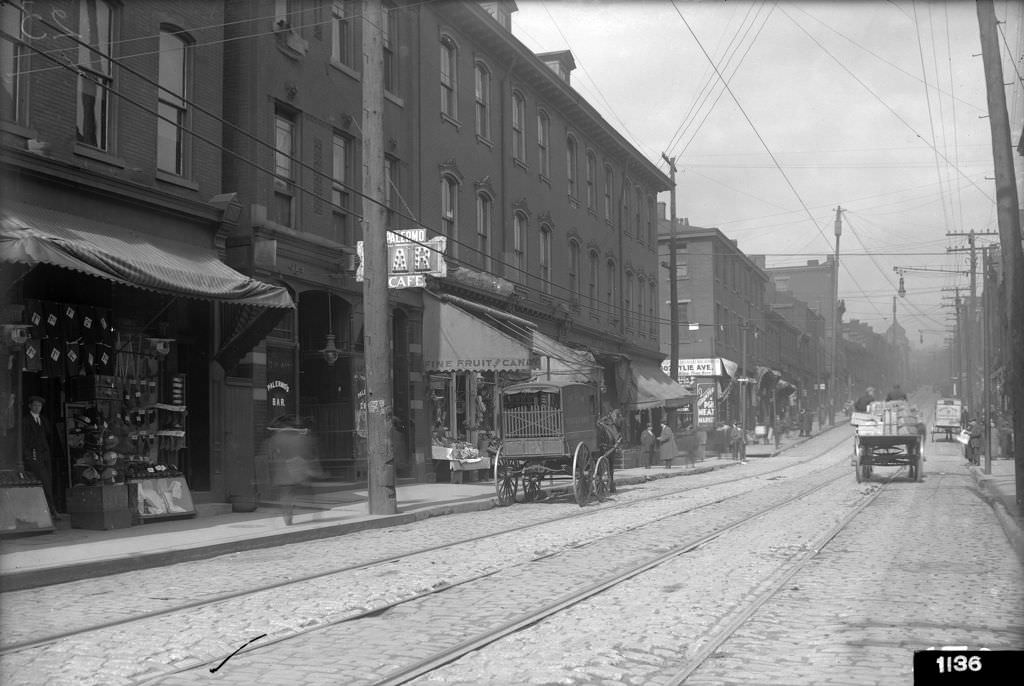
[411, 258]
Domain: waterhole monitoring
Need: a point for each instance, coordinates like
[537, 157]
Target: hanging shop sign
[705, 404]
[411, 258]
[708, 366]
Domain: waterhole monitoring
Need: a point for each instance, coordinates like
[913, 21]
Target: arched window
[592, 287]
[519, 247]
[544, 258]
[648, 215]
[609, 181]
[611, 292]
[641, 306]
[627, 218]
[449, 78]
[591, 180]
[450, 212]
[652, 307]
[518, 126]
[570, 166]
[484, 218]
[629, 301]
[574, 270]
[483, 101]
[637, 211]
[544, 144]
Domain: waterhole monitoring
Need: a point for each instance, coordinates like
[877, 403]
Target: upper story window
[484, 219]
[682, 261]
[284, 170]
[591, 180]
[593, 267]
[519, 246]
[390, 30]
[574, 271]
[450, 211]
[14, 57]
[637, 212]
[627, 219]
[609, 182]
[652, 299]
[544, 258]
[629, 301]
[649, 217]
[641, 306]
[483, 101]
[342, 36]
[171, 103]
[611, 283]
[96, 77]
[571, 172]
[544, 144]
[341, 174]
[518, 126]
[449, 76]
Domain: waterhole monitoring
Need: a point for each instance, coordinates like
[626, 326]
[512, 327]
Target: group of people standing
[660, 445]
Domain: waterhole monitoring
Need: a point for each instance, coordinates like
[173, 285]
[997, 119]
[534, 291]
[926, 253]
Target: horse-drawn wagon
[887, 436]
[550, 431]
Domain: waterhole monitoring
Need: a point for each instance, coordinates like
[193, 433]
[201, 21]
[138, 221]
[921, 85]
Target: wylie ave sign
[411, 258]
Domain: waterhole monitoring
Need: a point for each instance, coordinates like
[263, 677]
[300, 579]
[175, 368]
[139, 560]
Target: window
[12, 56]
[641, 307]
[518, 127]
[591, 178]
[450, 211]
[449, 74]
[637, 211]
[609, 180]
[342, 49]
[284, 172]
[519, 246]
[593, 269]
[682, 262]
[544, 258]
[95, 79]
[570, 166]
[544, 144]
[574, 271]
[652, 298]
[611, 295]
[629, 300]
[484, 217]
[390, 17]
[171, 107]
[341, 173]
[626, 218]
[483, 101]
[683, 314]
[649, 216]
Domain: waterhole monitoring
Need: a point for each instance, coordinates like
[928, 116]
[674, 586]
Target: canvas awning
[455, 340]
[36, 235]
[560, 361]
[654, 388]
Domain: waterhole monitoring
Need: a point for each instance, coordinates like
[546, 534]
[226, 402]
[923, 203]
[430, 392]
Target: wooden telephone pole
[1007, 213]
[377, 320]
[673, 280]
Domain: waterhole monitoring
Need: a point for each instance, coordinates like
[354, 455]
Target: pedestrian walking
[648, 446]
[289, 450]
[973, 449]
[36, 454]
[667, 444]
[736, 442]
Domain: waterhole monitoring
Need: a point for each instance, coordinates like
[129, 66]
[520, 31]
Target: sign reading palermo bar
[411, 258]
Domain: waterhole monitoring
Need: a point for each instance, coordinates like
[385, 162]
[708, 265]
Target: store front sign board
[411, 258]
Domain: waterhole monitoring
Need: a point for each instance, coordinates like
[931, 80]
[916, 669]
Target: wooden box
[99, 507]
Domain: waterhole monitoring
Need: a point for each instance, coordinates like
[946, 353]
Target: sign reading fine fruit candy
[411, 258]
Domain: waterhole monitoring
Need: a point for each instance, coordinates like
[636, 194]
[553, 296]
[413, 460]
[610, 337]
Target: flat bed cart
[947, 417]
[881, 441]
[549, 431]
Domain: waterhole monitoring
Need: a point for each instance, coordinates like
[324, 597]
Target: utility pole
[1007, 213]
[744, 384]
[832, 385]
[377, 324]
[971, 312]
[673, 276]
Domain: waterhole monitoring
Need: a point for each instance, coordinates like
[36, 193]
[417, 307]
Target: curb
[1011, 524]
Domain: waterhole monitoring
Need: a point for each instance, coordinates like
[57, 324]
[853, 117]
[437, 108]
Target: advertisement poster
[167, 496]
[706, 404]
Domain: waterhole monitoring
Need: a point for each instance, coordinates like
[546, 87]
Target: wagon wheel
[581, 474]
[531, 488]
[601, 478]
[506, 480]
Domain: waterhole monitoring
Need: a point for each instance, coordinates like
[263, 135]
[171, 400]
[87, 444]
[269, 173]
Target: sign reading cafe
[411, 258]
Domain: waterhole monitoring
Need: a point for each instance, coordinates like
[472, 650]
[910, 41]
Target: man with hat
[862, 403]
[36, 456]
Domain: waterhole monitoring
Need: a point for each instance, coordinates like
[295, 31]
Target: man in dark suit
[36, 456]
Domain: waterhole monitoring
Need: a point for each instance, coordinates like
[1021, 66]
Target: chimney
[662, 210]
[812, 263]
[758, 260]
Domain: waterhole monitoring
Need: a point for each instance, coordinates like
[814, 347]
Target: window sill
[484, 141]
[174, 179]
[17, 130]
[388, 95]
[346, 70]
[574, 202]
[99, 156]
[448, 119]
[520, 163]
[592, 212]
[544, 179]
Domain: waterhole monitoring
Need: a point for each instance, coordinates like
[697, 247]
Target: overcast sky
[878, 107]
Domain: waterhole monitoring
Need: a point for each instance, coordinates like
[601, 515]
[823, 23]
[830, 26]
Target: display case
[23, 508]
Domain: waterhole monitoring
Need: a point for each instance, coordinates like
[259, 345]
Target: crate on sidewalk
[103, 506]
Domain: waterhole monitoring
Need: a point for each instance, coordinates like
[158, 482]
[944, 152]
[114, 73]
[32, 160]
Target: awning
[454, 340]
[654, 388]
[560, 361]
[35, 235]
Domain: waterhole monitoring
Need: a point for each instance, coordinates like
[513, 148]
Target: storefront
[711, 382]
[115, 330]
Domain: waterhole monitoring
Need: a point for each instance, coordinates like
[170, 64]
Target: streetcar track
[294, 581]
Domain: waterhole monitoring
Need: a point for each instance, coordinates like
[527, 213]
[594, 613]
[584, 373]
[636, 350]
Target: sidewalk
[1000, 489]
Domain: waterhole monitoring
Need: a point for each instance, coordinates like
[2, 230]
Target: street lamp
[835, 320]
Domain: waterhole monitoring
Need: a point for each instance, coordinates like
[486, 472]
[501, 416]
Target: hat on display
[110, 442]
[110, 458]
